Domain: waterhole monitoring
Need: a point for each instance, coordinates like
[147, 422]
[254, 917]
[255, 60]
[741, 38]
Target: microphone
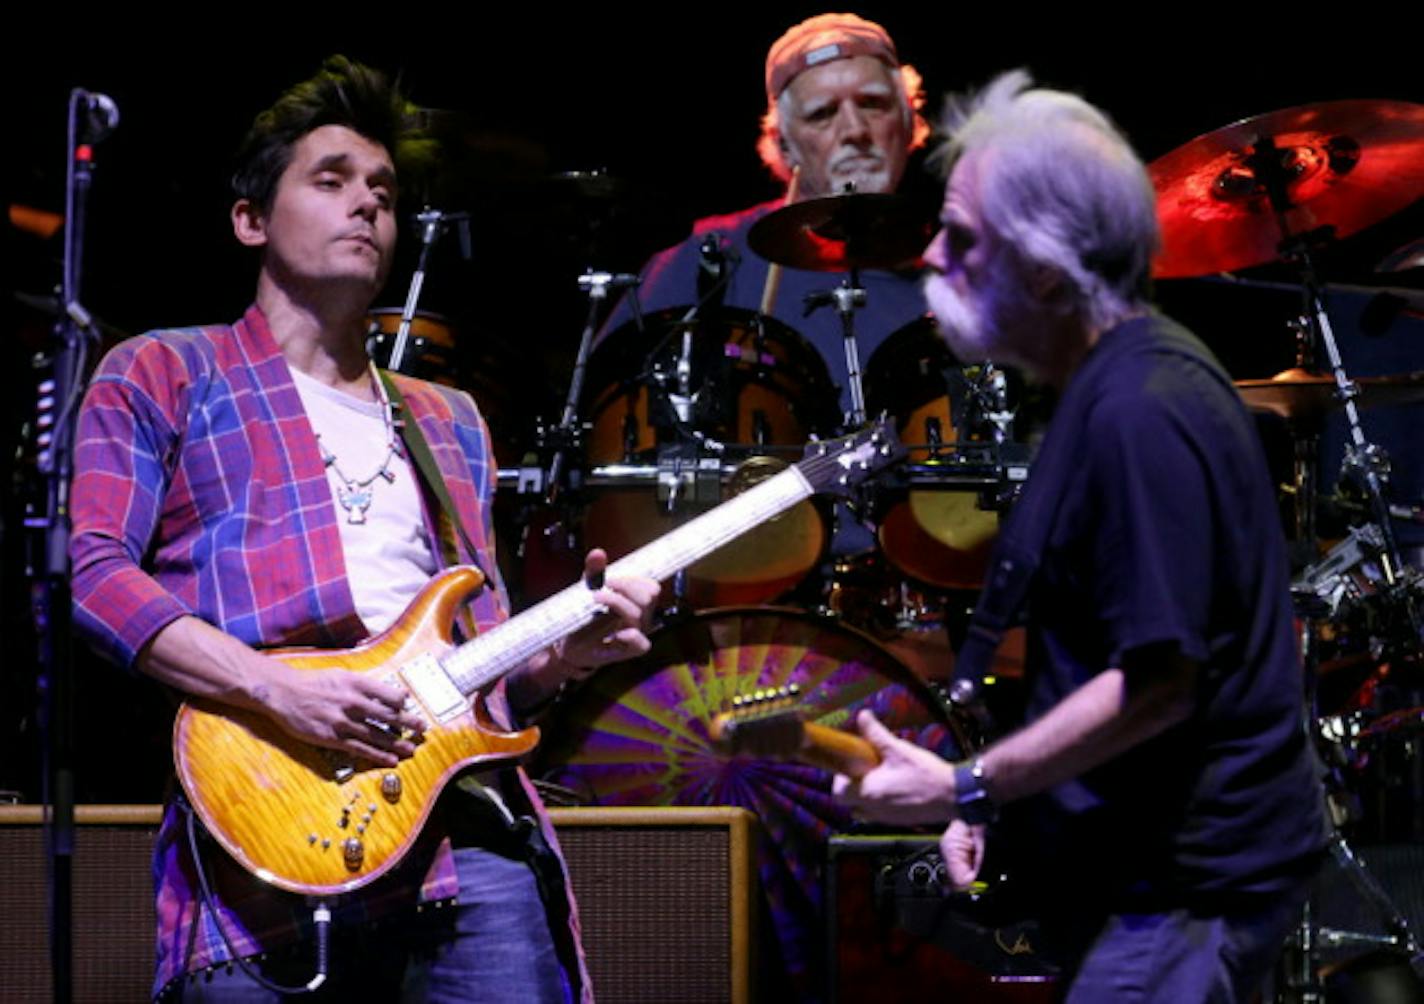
[101, 114]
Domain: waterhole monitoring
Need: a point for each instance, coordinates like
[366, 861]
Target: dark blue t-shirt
[1166, 537]
[893, 299]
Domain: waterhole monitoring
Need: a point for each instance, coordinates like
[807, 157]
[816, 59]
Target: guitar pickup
[428, 682]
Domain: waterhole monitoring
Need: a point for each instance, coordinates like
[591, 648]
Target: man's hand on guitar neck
[910, 786]
[352, 712]
[618, 635]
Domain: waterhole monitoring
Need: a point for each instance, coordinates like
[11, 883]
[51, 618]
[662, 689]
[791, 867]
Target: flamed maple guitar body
[285, 809]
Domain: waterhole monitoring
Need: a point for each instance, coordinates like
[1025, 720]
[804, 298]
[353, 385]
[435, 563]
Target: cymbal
[1296, 393]
[841, 232]
[1349, 164]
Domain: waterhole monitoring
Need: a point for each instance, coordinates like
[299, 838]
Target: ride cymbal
[1347, 164]
[841, 232]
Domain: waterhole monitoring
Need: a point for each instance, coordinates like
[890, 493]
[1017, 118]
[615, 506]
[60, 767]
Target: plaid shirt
[199, 489]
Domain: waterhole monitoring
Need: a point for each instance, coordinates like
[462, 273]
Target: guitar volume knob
[353, 851]
[390, 787]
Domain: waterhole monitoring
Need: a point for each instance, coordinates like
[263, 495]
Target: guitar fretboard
[483, 660]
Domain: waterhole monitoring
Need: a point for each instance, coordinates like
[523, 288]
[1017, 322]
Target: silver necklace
[356, 494]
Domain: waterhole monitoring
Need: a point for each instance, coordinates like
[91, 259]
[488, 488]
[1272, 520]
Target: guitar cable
[321, 922]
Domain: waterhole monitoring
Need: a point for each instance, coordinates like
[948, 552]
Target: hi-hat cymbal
[1348, 164]
[841, 232]
[1297, 394]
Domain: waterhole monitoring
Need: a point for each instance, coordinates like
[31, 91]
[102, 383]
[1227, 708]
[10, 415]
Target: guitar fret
[712, 529]
[484, 659]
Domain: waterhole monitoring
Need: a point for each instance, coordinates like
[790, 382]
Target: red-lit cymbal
[841, 232]
[1350, 164]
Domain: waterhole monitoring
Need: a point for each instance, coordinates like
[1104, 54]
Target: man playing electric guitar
[1163, 778]
[248, 486]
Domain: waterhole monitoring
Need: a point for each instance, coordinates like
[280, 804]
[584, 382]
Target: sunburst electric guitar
[310, 820]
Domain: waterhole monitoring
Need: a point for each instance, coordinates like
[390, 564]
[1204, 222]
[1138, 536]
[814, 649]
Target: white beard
[961, 324]
[869, 172]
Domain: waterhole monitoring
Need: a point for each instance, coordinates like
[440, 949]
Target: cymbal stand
[1365, 462]
[542, 486]
[433, 223]
[1368, 464]
[567, 436]
[847, 298]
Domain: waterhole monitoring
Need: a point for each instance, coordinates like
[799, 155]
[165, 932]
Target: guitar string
[491, 655]
[475, 665]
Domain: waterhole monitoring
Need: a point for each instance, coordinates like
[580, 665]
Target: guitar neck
[483, 660]
[838, 751]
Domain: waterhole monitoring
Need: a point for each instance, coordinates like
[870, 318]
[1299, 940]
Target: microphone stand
[847, 298]
[58, 406]
[433, 223]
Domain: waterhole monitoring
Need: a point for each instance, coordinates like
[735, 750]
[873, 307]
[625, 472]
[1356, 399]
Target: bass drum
[753, 385]
[636, 734]
[940, 538]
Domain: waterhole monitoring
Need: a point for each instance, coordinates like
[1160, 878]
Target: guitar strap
[447, 516]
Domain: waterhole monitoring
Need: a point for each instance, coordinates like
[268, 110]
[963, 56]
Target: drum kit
[1280, 187]
[684, 407]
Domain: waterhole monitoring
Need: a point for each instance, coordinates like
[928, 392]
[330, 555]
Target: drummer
[841, 109]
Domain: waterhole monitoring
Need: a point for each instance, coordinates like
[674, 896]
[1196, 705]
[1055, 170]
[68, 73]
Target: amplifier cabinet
[666, 896]
[896, 934]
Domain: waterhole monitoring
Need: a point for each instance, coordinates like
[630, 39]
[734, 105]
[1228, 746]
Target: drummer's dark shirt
[1167, 537]
[893, 299]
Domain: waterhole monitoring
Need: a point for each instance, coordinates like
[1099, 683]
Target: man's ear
[1050, 287]
[249, 226]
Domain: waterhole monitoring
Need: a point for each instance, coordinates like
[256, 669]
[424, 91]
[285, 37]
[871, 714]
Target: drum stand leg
[1300, 983]
[847, 298]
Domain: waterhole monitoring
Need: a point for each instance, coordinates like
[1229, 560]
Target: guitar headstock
[766, 723]
[840, 466]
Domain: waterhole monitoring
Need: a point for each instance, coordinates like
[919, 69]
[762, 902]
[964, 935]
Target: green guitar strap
[447, 517]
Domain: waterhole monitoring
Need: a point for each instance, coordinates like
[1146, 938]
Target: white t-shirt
[388, 556]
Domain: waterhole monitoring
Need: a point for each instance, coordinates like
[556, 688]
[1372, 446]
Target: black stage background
[665, 98]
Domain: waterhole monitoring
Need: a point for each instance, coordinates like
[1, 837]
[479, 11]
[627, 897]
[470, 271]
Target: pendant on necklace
[355, 499]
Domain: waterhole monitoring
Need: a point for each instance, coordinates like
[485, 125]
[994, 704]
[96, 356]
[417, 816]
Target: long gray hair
[1063, 186]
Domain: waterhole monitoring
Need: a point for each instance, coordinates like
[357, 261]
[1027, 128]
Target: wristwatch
[971, 799]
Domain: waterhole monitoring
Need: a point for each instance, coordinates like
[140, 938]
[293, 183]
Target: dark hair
[342, 93]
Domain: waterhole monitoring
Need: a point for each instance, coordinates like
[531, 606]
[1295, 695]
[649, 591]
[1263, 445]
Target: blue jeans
[1185, 957]
[495, 945]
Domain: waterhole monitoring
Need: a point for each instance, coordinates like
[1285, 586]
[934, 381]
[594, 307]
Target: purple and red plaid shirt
[199, 489]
